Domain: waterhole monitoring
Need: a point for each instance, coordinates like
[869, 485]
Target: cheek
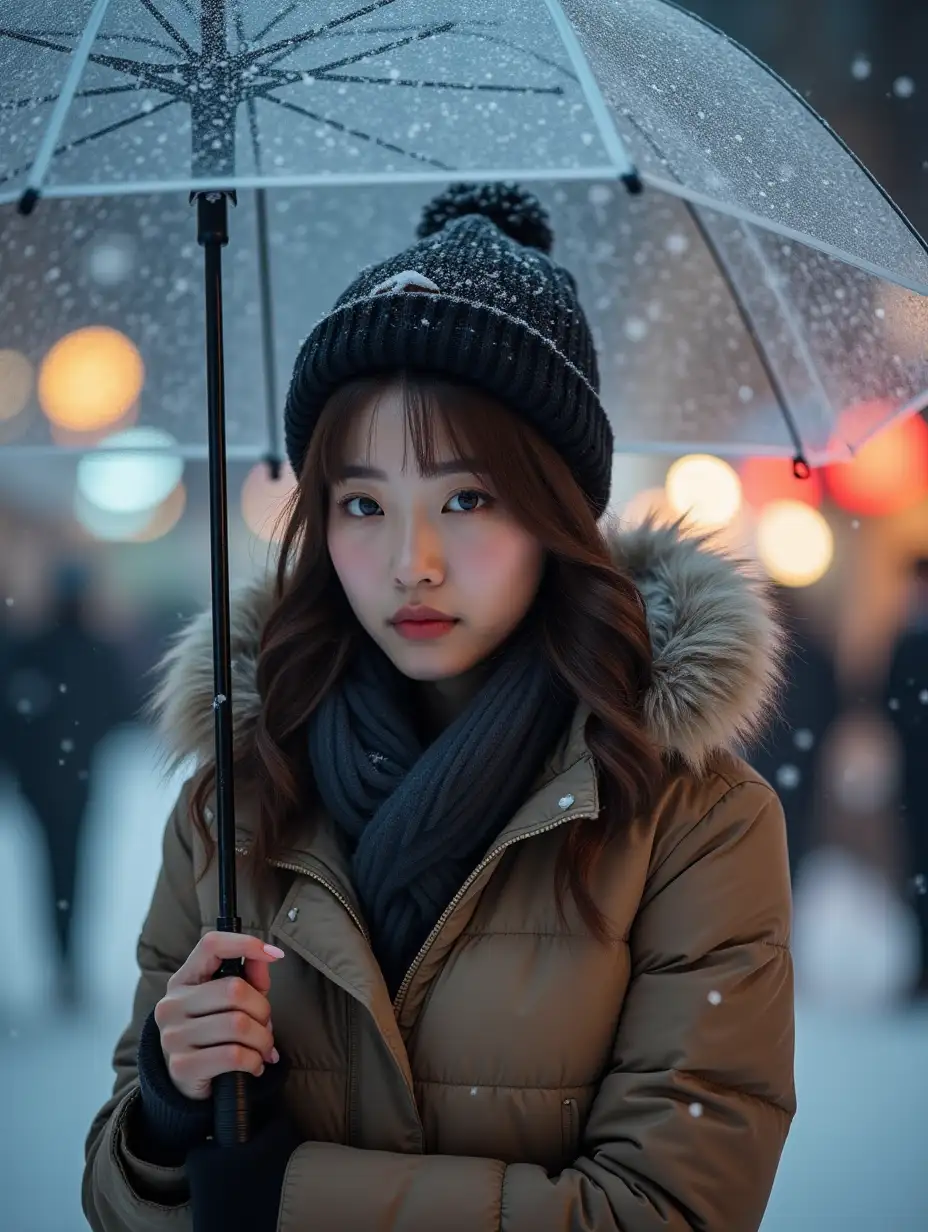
[355, 560]
[505, 569]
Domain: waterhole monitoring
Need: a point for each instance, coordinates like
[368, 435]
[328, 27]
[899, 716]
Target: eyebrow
[459, 466]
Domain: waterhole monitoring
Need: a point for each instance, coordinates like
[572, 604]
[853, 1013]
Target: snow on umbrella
[750, 286]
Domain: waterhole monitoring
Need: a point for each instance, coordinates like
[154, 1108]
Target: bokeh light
[16, 380]
[104, 524]
[764, 480]
[263, 499]
[649, 503]
[90, 378]
[705, 489]
[164, 518]
[888, 475]
[794, 543]
[128, 476]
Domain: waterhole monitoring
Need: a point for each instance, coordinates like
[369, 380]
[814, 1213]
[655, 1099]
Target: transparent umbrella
[751, 288]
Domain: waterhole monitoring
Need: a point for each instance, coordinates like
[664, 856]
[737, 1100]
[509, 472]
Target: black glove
[171, 1123]
[237, 1188]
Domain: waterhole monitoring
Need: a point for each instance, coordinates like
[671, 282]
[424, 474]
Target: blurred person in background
[63, 690]
[906, 700]
[789, 755]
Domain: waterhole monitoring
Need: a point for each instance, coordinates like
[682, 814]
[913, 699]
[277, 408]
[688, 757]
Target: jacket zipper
[426, 945]
[301, 868]
[440, 923]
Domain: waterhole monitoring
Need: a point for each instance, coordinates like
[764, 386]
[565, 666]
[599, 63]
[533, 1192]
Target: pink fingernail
[273, 951]
[275, 1055]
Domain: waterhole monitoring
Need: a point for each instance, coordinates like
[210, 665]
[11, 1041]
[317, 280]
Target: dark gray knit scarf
[419, 818]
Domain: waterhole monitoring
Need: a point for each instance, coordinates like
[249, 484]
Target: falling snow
[861, 68]
[803, 739]
[715, 997]
[903, 87]
[696, 1110]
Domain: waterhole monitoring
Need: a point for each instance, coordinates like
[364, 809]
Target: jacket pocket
[570, 1117]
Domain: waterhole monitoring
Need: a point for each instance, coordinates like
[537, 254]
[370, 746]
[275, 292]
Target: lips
[418, 614]
[418, 623]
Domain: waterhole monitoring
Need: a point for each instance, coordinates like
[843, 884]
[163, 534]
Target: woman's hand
[211, 1027]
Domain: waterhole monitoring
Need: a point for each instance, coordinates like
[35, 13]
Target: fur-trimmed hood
[716, 644]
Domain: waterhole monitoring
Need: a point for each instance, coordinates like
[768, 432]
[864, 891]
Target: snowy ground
[856, 1158]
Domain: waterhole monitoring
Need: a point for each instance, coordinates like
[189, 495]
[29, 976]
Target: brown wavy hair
[591, 618]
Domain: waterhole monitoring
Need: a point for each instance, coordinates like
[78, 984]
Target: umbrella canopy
[762, 295]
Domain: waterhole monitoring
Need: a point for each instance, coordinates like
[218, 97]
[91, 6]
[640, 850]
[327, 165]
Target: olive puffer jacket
[527, 1078]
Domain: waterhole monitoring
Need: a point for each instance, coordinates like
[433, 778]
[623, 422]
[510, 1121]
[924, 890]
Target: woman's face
[406, 545]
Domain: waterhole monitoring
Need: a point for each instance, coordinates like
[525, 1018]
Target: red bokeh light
[764, 480]
[888, 475]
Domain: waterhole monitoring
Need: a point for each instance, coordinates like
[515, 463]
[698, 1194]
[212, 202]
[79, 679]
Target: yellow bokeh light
[16, 378]
[263, 499]
[794, 543]
[90, 378]
[705, 489]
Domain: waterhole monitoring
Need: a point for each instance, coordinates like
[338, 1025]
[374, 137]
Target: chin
[419, 666]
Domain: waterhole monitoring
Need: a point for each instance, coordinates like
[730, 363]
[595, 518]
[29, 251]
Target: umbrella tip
[274, 466]
[801, 468]
[27, 202]
[633, 182]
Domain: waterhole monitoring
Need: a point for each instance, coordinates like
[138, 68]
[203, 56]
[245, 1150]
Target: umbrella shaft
[212, 235]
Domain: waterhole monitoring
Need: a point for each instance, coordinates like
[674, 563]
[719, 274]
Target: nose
[419, 559]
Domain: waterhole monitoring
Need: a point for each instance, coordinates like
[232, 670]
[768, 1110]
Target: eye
[469, 500]
[360, 506]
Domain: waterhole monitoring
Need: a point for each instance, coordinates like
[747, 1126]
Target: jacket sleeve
[688, 1124]
[121, 1190]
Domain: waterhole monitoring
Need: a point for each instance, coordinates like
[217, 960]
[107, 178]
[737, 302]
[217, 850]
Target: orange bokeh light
[264, 499]
[765, 480]
[89, 379]
[888, 475]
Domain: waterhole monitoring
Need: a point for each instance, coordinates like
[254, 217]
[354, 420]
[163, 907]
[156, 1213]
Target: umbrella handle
[230, 1091]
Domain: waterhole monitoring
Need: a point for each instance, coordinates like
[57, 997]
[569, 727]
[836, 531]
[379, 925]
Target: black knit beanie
[479, 300]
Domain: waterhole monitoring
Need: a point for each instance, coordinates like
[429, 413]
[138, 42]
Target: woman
[532, 909]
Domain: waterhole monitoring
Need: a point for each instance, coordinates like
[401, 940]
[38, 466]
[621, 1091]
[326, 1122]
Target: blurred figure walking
[63, 689]
[906, 701]
[789, 755]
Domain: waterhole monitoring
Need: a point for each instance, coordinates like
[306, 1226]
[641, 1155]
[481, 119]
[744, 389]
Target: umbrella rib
[116, 38]
[264, 277]
[289, 44]
[357, 79]
[16, 103]
[275, 21]
[101, 132]
[79, 56]
[747, 320]
[168, 28]
[418, 37]
[354, 132]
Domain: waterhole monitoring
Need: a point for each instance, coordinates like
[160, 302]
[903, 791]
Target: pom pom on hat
[517, 213]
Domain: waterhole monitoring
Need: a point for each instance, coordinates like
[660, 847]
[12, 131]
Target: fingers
[232, 993]
[213, 947]
[220, 1035]
[192, 1070]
